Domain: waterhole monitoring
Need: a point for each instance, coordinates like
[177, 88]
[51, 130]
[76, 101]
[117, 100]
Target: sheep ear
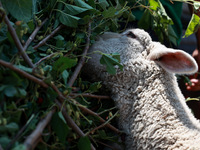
[175, 61]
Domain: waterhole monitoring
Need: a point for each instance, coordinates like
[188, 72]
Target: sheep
[152, 109]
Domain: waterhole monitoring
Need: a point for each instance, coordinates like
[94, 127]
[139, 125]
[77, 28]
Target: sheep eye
[131, 35]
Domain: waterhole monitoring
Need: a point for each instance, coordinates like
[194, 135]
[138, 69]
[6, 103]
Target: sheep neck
[152, 104]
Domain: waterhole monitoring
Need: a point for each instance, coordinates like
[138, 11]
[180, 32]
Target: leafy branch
[16, 39]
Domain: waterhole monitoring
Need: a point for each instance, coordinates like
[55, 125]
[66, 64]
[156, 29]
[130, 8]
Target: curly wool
[152, 108]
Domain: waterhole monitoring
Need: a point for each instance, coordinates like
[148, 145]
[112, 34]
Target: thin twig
[32, 139]
[112, 148]
[82, 60]
[41, 43]
[17, 41]
[44, 58]
[104, 124]
[90, 95]
[86, 110]
[71, 122]
[23, 73]
[34, 33]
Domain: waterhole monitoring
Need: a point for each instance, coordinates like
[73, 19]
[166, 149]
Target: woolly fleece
[153, 112]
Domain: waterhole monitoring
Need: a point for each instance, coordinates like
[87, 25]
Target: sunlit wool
[152, 108]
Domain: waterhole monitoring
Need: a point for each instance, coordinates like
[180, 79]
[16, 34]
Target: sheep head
[137, 45]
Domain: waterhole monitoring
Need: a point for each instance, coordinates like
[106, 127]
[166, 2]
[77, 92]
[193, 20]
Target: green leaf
[109, 13]
[60, 128]
[29, 70]
[103, 4]
[116, 56]
[68, 20]
[84, 143]
[51, 94]
[110, 62]
[65, 76]
[154, 5]
[19, 9]
[4, 141]
[12, 127]
[74, 10]
[145, 21]
[3, 33]
[82, 4]
[94, 87]
[22, 92]
[172, 35]
[61, 116]
[193, 25]
[102, 134]
[20, 147]
[10, 91]
[60, 41]
[63, 63]
[2, 87]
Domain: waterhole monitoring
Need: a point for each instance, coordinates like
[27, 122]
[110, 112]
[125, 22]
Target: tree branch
[71, 122]
[60, 95]
[82, 60]
[26, 75]
[90, 95]
[44, 58]
[32, 139]
[17, 41]
[34, 33]
[104, 124]
[41, 43]
[86, 110]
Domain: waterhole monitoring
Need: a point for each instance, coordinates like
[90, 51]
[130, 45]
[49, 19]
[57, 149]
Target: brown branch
[86, 110]
[71, 122]
[89, 95]
[17, 41]
[34, 33]
[44, 58]
[32, 139]
[104, 124]
[82, 60]
[42, 83]
[61, 97]
[41, 43]
[110, 147]
[23, 73]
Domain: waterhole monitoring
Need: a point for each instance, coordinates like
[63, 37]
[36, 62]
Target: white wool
[153, 112]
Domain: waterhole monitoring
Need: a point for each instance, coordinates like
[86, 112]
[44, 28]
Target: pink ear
[178, 62]
[174, 61]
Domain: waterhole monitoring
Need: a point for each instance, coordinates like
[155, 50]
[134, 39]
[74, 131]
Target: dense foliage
[49, 48]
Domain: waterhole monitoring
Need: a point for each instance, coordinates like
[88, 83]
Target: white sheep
[153, 112]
